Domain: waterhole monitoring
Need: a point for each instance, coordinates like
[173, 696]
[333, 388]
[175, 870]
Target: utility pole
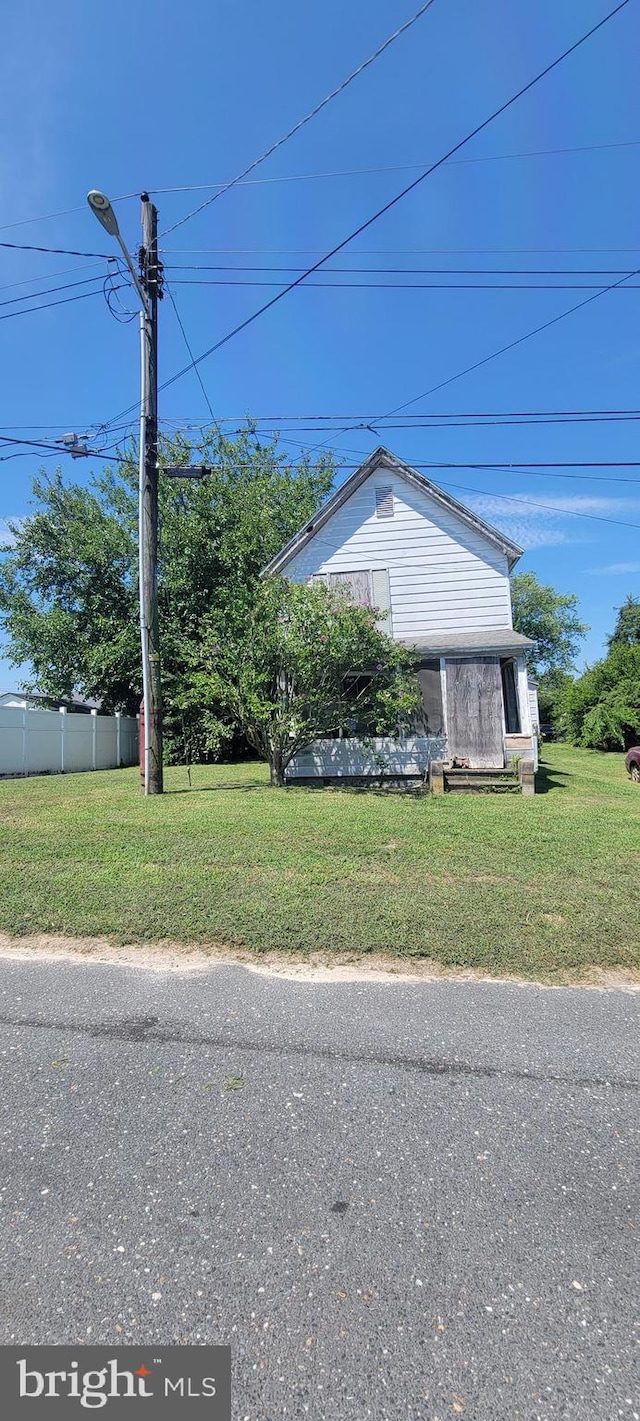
[148, 284]
[150, 275]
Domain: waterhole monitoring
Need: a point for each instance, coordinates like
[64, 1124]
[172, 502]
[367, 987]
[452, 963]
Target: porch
[475, 716]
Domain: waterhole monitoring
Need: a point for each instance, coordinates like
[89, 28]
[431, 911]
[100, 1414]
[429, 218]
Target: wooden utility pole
[149, 513]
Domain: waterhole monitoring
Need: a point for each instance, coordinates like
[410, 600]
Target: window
[510, 698]
[429, 718]
[356, 584]
[355, 686]
[367, 587]
[384, 503]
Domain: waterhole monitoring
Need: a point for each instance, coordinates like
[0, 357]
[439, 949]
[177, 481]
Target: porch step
[468, 781]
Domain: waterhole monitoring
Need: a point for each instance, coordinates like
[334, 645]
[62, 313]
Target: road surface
[394, 1200]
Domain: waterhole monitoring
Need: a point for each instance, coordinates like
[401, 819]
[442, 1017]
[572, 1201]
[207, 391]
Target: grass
[543, 888]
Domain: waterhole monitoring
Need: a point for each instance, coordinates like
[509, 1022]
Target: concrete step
[471, 781]
[472, 787]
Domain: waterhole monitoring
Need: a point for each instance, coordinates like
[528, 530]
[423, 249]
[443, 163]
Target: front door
[474, 712]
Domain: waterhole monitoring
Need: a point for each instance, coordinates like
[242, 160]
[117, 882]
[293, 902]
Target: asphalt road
[395, 1201]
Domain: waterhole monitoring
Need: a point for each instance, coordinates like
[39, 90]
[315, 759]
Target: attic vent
[384, 503]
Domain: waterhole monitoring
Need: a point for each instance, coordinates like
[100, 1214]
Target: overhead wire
[414, 270]
[511, 345]
[82, 296]
[313, 113]
[393, 202]
[412, 286]
[185, 337]
[53, 251]
[391, 168]
[48, 275]
[396, 251]
[49, 290]
[548, 507]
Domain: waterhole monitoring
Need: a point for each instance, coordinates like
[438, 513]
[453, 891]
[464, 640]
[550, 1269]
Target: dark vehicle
[632, 763]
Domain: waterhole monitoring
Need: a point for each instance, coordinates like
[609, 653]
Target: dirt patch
[168, 956]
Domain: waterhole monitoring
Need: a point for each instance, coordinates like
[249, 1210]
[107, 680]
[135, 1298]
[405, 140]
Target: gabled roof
[382, 458]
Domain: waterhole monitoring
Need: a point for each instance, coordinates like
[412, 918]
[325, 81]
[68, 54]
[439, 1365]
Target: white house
[440, 577]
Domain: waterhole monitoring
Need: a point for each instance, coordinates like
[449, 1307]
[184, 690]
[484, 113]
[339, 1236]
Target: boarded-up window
[429, 718]
[510, 696]
[366, 587]
[356, 584]
[384, 503]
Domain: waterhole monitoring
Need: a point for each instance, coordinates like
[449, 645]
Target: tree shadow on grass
[214, 789]
[548, 779]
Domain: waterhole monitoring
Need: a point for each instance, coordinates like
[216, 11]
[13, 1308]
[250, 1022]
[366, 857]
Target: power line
[54, 449]
[377, 427]
[392, 203]
[48, 276]
[400, 167]
[307, 118]
[54, 251]
[48, 290]
[522, 466]
[417, 270]
[189, 350]
[529, 472]
[9, 315]
[451, 414]
[395, 251]
[549, 507]
[511, 345]
[431, 466]
[412, 286]
[392, 168]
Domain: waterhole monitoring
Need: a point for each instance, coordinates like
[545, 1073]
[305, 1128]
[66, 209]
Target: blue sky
[166, 96]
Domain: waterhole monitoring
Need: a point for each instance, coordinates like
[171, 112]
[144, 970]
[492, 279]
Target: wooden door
[474, 712]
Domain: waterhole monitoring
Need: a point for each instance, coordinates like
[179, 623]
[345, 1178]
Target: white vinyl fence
[41, 742]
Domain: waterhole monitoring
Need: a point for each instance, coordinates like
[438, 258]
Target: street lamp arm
[102, 209]
[136, 279]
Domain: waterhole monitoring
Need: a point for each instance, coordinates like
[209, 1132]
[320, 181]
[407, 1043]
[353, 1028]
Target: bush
[601, 710]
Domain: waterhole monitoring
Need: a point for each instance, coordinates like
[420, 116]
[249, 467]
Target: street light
[148, 478]
[102, 209]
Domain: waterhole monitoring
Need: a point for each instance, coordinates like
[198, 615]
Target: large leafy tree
[293, 663]
[68, 584]
[550, 619]
[627, 628]
[601, 709]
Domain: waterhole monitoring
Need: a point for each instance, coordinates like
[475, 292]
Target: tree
[627, 628]
[550, 619]
[293, 663]
[602, 708]
[68, 585]
[68, 595]
[552, 686]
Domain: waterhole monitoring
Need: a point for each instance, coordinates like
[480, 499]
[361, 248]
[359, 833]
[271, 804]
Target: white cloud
[523, 505]
[616, 567]
[549, 519]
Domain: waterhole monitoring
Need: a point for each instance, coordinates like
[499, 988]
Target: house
[440, 577]
[24, 700]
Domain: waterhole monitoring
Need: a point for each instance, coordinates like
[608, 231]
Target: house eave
[382, 457]
[501, 641]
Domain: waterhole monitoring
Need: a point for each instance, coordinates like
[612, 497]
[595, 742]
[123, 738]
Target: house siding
[443, 576]
[349, 758]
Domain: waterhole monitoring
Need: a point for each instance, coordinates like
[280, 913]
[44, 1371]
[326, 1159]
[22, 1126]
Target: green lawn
[543, 887]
